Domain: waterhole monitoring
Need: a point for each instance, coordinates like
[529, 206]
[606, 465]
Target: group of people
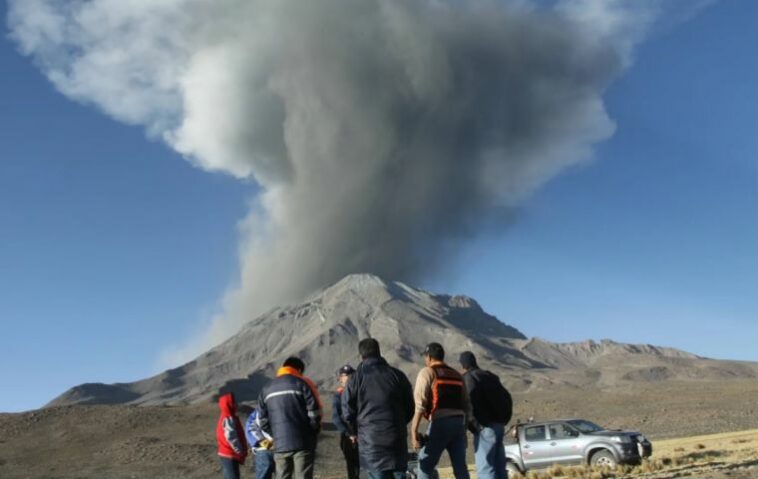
[371, 409]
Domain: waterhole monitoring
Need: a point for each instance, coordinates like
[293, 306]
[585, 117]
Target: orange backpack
[447, 389]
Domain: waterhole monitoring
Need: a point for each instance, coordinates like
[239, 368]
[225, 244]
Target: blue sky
[113, 247]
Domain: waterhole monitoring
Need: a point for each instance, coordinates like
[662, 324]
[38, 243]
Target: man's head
[344, 373]
[468, 361]
[294, 363]
[369, 348]
[433, 353]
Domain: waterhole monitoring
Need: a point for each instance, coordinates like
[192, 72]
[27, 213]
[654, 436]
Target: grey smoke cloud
[380, 131]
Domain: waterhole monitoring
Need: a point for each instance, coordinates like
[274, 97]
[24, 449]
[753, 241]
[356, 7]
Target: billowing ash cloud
[380, 131]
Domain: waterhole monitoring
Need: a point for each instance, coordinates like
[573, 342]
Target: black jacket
[289, 410]
[339, 423]
[491, 402]
[378, 404]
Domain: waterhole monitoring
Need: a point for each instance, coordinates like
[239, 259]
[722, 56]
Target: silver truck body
[572, 442]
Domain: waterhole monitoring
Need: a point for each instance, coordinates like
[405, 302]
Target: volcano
[325, 328]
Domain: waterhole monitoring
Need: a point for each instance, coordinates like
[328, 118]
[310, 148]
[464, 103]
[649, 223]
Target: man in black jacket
[377, 405]
[492, 405]
[289, 409]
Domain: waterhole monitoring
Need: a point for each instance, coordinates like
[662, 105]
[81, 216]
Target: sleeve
[337, 413]
[262, 415]
[250, 433]
[471, 421]
[312, 404]
[253, 431]
[230, 434]
[423, 391]
[468, 380]
[349, 406]
[408, 402]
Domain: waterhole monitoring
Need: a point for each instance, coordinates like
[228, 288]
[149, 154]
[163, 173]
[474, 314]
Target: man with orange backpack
[232, 446]
[441, 397]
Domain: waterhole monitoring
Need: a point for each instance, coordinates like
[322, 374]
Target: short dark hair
[369, 348]
[294, 362]
[468, 360]
[435, 351]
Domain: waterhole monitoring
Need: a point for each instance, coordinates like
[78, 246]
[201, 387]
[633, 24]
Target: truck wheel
[604, 458]
[513, 471]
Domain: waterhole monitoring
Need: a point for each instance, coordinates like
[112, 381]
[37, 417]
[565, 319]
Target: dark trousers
[350, 451]
[230, 467]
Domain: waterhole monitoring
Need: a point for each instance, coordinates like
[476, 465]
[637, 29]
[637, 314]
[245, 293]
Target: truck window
[535, 433]
[586, 427]
[562, 431]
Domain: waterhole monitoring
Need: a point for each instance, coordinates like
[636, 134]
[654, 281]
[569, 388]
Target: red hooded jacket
[229, 433]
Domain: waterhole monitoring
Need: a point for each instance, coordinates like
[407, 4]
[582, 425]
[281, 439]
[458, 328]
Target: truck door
[536, 448]
[565, 443]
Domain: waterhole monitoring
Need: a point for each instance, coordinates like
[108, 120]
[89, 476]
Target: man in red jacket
[232, 445]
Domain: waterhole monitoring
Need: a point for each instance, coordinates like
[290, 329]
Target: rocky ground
[131, 442]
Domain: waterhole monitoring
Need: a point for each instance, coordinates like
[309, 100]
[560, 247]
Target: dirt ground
[127, 442]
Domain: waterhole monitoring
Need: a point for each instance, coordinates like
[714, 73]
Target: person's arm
[255, 435]
[232, 438]
[251, 430]
[312, 404]
[337, 420]
[349, 406]
[468, 380]
[471, 422]
[408, 404]
[414, 429]
[421, 396]
[262, 415]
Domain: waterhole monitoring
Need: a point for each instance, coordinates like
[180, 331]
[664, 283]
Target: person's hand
[354, 439]
[415, 442]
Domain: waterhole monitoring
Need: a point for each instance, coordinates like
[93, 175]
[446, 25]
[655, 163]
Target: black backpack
[498, 400]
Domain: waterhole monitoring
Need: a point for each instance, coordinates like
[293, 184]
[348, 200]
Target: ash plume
[381, 132]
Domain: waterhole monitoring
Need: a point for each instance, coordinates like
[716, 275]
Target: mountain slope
[325, 329]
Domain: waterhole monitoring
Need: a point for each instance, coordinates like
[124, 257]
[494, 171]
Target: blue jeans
[264, 464]
[386, 474]
[230, 467]
[489, 452]
[445, 434]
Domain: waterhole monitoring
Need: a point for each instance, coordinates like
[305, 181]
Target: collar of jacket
[369, 361]
[284, 370]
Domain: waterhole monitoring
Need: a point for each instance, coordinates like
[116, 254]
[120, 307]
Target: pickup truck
[571, 442]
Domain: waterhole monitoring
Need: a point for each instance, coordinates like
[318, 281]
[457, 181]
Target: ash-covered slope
[325, 329]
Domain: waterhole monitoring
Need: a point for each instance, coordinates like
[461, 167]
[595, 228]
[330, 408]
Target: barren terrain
[130, 442]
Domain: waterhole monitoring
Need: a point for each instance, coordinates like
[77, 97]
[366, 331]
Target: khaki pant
[294, 464]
